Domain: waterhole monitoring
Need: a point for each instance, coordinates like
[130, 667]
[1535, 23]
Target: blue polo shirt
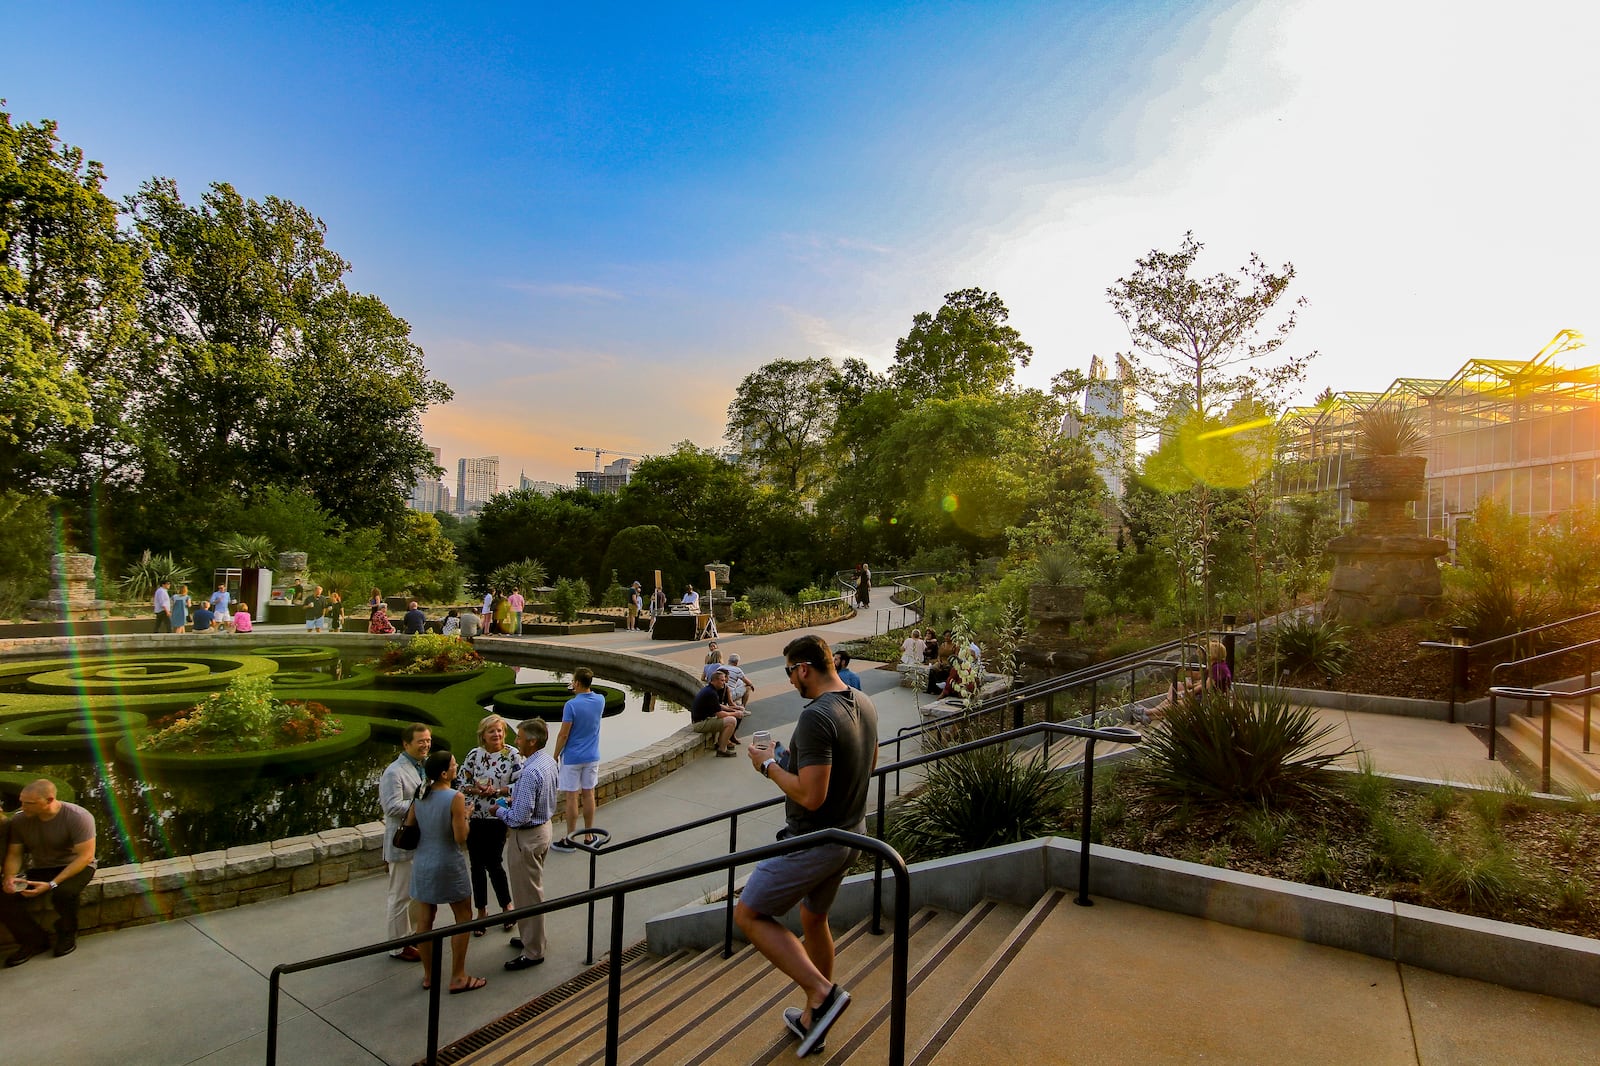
[583, 710]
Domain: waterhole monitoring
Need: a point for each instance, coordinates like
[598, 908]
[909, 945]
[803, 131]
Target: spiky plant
[142, 577]
[1389, 429]
[251, 550]
[979, 799]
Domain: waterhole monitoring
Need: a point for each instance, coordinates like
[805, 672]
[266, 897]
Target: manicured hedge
[546, 699]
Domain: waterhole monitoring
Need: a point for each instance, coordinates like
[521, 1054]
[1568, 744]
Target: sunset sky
[599, 218]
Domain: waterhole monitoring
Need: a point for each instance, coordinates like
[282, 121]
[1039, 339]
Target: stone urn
[1055, 606]
[1386, 483]
[71, 590]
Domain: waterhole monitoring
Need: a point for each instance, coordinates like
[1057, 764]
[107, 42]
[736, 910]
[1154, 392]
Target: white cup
[762, 740]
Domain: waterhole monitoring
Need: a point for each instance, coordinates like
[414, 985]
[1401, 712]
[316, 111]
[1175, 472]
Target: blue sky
[599, 219]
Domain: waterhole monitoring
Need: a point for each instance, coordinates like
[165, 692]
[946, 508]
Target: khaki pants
[399, 899]
[525, 856]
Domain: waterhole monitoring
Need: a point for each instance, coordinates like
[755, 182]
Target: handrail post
[727, 919]
[274, 986]
[614, 989]
[1228, 638]
[1544, 770]
[1083, 899]
[1094, 699]
[1494, 721]
[1460, 653]
[588, 958]
[435, 973]
[1588, 683]
[899, 974]
[877, 862]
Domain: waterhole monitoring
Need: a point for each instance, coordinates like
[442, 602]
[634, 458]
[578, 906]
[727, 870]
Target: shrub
[1402, 849]
[1257, 750]
[1305, 643]
[1266, 830]
[1321, 865]
[243, 717]
[1487, 880]
[614, 595]
[570, 596]
[979, 799]
[248, 549]
[429, 653]
[740, 609]
[764, 599]
[527, 575]
[1492, 604]
[27, 534]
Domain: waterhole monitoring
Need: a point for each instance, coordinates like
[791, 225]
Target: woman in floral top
[486, 775]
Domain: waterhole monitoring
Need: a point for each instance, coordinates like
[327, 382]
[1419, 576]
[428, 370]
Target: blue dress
[439, 871]
[180, 611]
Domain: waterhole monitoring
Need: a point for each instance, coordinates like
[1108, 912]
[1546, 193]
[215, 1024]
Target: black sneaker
[66, 946]
[791, 1019]
[522, 962]
[563, 846]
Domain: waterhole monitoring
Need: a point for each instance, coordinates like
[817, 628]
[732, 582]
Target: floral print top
[501, 768]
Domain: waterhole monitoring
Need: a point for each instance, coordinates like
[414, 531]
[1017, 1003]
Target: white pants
[399, 899]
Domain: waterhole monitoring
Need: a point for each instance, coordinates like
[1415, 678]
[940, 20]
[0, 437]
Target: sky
[598, 219]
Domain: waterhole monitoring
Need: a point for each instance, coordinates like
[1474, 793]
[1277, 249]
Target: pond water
[165, 816]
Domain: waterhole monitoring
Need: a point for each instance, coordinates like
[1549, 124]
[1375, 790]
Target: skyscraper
[476, 481]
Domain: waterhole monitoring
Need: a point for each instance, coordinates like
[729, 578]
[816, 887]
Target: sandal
[472, 985]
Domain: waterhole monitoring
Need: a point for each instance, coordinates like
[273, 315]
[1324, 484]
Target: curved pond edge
[141, 893]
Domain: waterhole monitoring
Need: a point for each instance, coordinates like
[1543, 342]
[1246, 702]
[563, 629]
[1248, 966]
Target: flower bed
[243, 717]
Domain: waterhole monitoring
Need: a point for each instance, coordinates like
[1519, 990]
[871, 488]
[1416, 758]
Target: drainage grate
[533, 1008]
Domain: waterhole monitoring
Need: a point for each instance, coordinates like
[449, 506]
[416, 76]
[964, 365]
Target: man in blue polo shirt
[578, 751]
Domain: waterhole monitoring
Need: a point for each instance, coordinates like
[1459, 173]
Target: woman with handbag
[439, 871]
[486, 775]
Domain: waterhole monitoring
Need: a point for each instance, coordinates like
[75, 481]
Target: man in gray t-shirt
[58, 841]
[825, 781]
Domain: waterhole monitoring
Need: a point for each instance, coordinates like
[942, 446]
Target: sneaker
[522, 962]
[791, 1019]
[563, 845]
[726, 753]
[822, 1019]
[516, 942]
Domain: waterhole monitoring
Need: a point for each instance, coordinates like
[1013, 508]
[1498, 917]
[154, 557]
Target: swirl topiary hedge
[546, 699]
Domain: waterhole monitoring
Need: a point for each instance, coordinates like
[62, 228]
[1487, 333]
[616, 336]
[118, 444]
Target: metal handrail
[1461, 652]
[1533, 695]
[616, 893]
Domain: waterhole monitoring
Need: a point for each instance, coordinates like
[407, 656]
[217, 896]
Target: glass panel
[1583, 429]
[1561, 487]
[1500, 453]
[1539, 493]
[1583, 482]
[1539, 438]
[1561, 435]
[1501, 490]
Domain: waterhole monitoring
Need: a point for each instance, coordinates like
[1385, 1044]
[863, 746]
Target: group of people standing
[178, 612]
[486, 824]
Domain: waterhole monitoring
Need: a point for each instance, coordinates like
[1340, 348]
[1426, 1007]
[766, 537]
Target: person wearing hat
[635, 601]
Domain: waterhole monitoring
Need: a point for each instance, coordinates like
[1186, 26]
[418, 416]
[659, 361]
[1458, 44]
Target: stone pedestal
[1050, 649]
[72, 595]
[292, 570]
[1379, 577]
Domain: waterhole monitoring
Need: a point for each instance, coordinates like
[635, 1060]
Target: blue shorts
[811, 877]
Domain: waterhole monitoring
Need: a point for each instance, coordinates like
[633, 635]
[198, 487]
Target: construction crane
[598, 452]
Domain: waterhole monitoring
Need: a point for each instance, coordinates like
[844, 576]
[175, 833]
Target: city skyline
[597, 222]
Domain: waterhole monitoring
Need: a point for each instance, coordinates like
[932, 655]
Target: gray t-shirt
[50, 843]
[838, 729]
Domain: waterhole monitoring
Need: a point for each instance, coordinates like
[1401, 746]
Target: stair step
[758, 1034]
[1568, 764]
[937, 982]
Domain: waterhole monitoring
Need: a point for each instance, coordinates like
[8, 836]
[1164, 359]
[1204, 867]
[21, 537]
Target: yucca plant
[979, 799]
[1389, 429]
[1257, 750]
[1309, 643]
[139, 581]
[527, 575]
[1058, 564]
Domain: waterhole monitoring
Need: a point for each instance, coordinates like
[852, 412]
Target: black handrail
[616, 893]
[1535, 695]
[1461, 652]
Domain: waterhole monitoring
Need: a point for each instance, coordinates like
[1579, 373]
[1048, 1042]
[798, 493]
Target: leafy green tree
[570, 529]
[27, 533]
[69, 317]
[782, 418]
[964, 347]
[417, 556]
[636, 552]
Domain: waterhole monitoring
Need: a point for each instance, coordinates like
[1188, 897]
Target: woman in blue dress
[180, 610]
[439, 871]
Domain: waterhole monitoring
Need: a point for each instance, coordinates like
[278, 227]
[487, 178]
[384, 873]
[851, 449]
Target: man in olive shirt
[824, 780]
[58, 839]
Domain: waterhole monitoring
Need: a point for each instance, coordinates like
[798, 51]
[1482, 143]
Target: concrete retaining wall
[1531, 960]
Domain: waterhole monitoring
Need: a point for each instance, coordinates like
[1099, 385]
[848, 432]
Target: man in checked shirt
[527, 813]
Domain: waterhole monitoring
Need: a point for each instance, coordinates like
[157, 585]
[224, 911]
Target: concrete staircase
[700, 1008]
[1570, 765]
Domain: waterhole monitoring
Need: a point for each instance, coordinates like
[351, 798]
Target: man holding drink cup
[825, 781]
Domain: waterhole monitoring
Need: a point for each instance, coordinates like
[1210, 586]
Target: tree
[964, 347]
[1203, 349]
[69, 302]
[568, 530]
[782, 418]
[637, 552]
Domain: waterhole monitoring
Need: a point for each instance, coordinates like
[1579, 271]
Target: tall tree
[782, 419]
[1205, 349]
[69, 307]
[964, 347]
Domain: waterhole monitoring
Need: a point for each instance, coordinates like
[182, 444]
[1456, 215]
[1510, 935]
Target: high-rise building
[1106, 423]
[429, 494]
[476, 481]
[543, 488]
[610, 480]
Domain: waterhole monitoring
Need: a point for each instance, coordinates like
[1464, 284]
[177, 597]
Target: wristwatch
[766, 767]
[52, 884]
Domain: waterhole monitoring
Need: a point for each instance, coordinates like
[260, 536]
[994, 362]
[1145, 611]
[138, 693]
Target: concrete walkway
[195, 990]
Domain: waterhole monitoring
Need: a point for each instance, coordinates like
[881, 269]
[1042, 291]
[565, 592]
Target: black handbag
[409, 835]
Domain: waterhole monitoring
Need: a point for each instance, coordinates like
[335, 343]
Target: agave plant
[1310, 643]
[1058, 564]
[527, 575]
[1255, 750]
[979, 799]
[1389, 429]
[142, 577]
[251, 549]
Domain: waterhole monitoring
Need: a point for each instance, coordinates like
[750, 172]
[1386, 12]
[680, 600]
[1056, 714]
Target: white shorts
[575, 777]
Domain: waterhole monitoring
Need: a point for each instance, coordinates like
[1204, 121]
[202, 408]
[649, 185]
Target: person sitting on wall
[202, 618]
[471, 625]
[58, 840]
[740, 686]
[452, 628]
[379, 622]
[415, 621]
[241, 618]
[713, 712]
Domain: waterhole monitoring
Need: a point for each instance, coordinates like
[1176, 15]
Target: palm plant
[142, 577]
[252, 550]
[527, 575]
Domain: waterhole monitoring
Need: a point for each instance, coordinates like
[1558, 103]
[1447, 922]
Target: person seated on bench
[713, 712]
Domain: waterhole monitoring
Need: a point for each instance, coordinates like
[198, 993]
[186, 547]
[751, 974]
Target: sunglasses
[788, 671]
